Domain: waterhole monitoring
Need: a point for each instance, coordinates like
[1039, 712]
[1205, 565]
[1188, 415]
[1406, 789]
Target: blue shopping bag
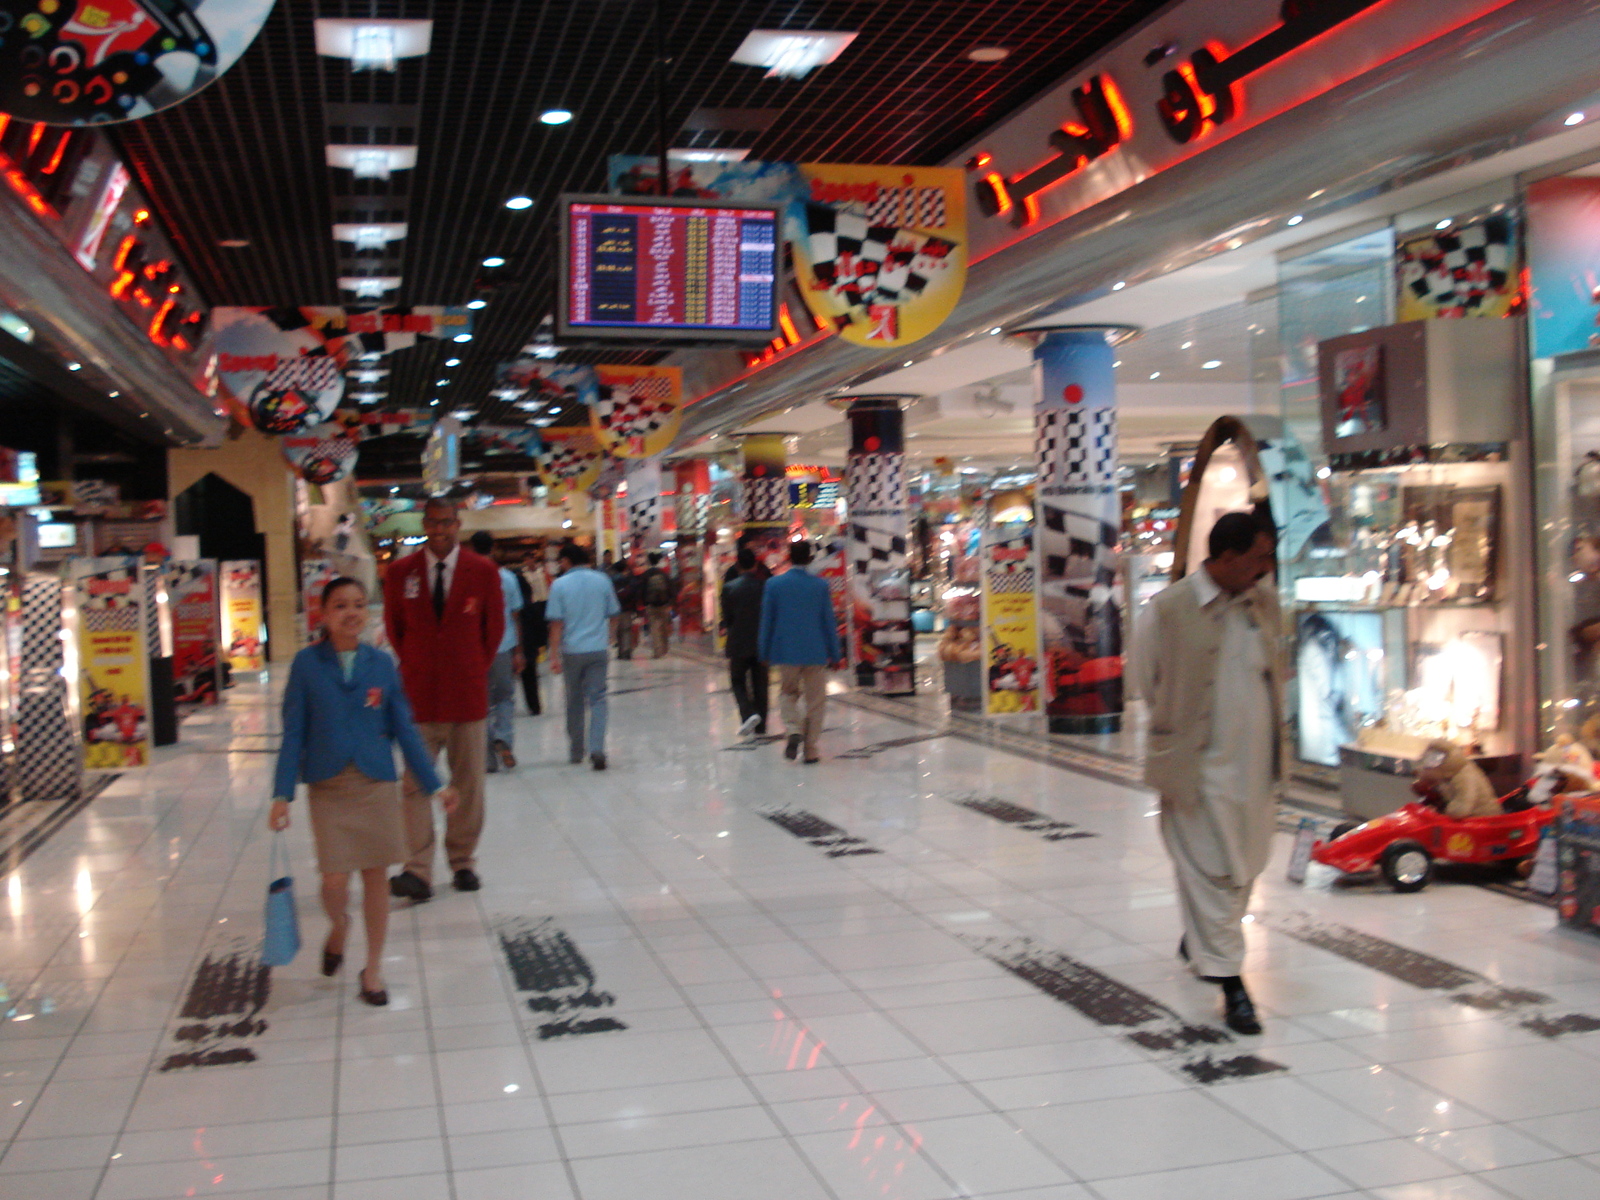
[282, 940]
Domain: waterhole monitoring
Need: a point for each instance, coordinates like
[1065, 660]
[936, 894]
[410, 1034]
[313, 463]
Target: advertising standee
[113, 661]
[1010, 621]
[243, 635]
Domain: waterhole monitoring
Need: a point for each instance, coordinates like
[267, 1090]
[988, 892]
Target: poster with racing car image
[636, 412]
[1010, 620]
[113, 665]
[325, 453]
[569, 462]
[196, 630]
[880, 252]
[94, 62]
[244, 631]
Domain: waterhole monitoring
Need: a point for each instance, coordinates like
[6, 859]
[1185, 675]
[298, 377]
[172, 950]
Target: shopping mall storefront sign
[1187, 80]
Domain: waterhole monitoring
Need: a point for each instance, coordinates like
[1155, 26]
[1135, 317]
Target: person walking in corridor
[344, 711]
[535, 585]
[582, 614]
[658, 595]
[445, 616]
[505, 668]
[741, 617]
[1210, 673]
[800, 636]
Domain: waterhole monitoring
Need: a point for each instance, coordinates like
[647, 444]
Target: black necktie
[438, 592]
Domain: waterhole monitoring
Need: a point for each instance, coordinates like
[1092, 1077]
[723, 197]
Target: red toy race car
[1404, 845]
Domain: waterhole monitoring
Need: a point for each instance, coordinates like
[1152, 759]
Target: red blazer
[445, 664]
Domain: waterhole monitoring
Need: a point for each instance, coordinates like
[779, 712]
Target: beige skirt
[357, 823]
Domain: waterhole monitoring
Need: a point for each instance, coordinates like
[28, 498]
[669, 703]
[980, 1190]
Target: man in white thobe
[1208, 668]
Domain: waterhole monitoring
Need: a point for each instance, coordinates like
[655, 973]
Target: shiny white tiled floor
[799, 1027]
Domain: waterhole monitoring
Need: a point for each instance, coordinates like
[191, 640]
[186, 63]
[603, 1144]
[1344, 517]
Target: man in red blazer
[445, 616]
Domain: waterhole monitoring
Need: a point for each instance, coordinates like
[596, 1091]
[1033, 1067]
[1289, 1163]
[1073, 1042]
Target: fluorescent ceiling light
[367, 397]
[708, 155]
[494, 260]
[477, 304]
[369, 285]
[1212, 365]
[545, 351]
[372, 45]
[372, 162]
[555, 116]
[452, 362]
[1574, 119]
[988, 54]
[790, 53]
[462, 337]
[370, 237]
[367, 375]
[518, 203]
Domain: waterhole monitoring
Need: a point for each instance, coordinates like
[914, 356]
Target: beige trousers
[464, 747]
[810, 686]
[1211, 901]
[660, 619]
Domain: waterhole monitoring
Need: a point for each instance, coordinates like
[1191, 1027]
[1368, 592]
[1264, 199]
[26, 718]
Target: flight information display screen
[668, 269]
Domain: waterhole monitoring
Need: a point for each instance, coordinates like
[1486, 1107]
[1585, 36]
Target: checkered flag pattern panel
[693, 512]
[627, 413]
[1076, 445]
[1011, 577]
[308, 373]
[644, 519]
[1457, 271]
[874, 549]
[877, 482]
[766, 501]
[107, 620]
[562, 463]
[1078, 548]
[48, 764]
[924, 208]
[152, 616]
[866, 264]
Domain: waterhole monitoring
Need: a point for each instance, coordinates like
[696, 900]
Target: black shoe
[1183, 948]
[331, 962]
[410, 886]
[1238, 1012]
[377, 998]
[599, 761]
[466, 880]
[812, 759]
[791, 748]
[575, 756]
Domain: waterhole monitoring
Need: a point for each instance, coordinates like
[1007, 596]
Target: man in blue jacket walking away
[800, 636]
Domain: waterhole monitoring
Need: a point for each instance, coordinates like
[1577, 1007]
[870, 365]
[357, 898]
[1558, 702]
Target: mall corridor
[922, 969]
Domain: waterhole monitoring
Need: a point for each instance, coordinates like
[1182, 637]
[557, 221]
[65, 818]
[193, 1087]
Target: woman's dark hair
[1237, 531]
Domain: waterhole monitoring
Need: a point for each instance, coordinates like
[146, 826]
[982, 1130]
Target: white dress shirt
[449, 561]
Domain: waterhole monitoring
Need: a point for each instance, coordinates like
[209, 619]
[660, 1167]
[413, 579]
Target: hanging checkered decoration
[875, 549]
[633, 412]
[560, 463]
[869, 266]
[644, 521]
[693, 510]
[877, 483]
[923, 208]
[49, 764]
[1467, 270]
[1011, 577]
[1076, 446]
[766, 501]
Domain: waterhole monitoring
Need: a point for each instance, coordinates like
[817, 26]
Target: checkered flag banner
[115, 597]
[877, 483]
[693, 510]
[109, 620]
[48, 764]
[314, 372]
[1076, 446]
[873, 548]
[637, 410]
[644, 521]
[1462, 271]
[1077, 547]
[1011, 577]
[766, 501]
[563, 463]
[923, 208]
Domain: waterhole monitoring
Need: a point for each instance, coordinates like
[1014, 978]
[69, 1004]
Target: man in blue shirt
[582, 614]
[800, 636]
[507, 664]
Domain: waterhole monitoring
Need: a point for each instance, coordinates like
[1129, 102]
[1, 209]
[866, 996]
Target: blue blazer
[798, 626]
[329, 724]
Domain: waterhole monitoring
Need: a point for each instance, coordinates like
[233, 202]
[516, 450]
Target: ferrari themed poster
[196, 630]
[570, 461]
[1010, 621]
[242, 626]
[881, 255]
[637, 414]
[113, 666]
[1467, 270]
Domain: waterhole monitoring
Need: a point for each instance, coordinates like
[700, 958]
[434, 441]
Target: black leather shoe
[1238, 1012]
[1183, 948]
[410, 886]
[599, 761]
[331, 962]
[466, 880]
[791, 748]
[378, 998]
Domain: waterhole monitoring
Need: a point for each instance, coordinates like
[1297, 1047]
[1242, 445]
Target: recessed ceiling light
[475, 304]
[1444, 224]
[74, 366]
[452, 362]
[113, 394]
[1118, 363]
[1361, 299]
[1118, 286]
[555, 116]
[790, 53]
[494, 260]
[234, 243]
[988, 54]
[1296, 219]
[1155, 374]
[520, 202]
[1185, 346]
[1212, 365]
[372, 45]
[908, 362]
[1575, 119]
[462, 337]
[994, 331]
[441, 383]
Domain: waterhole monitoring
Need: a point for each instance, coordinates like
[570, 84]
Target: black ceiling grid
[245, 157]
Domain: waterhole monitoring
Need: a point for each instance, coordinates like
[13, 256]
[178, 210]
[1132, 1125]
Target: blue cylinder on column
[1079, 512]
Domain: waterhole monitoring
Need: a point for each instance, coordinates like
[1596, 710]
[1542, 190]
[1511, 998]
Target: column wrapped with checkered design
[881, 641]
[48, 757]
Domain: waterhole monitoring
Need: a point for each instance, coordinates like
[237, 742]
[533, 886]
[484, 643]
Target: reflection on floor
[922, 969]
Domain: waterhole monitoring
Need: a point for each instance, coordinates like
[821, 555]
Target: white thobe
[1219, 846]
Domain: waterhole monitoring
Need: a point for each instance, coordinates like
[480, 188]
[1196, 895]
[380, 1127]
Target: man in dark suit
[445, 616]
[741, 617]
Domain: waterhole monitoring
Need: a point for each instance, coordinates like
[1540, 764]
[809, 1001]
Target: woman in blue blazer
[343, 712]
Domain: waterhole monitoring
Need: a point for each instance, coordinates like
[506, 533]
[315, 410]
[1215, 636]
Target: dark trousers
[534, 635]
[530, 684]
[749, 679]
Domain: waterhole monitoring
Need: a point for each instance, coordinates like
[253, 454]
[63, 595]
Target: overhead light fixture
[441, 383]
[994, 331]
[370, 237]
[520, 202]
[545, 351]
[1185, 346]
[366, 397]
[372, 45]
[494, 260]
[369, 286]
[367, 375]
[707, 155]
[555, 116]
[372, 162]
[233, 243]
[1296, 219]
[74, 366]
[1118, 285]
[1574, 119]
[452, 362]
[1212, 365]
[988, 54]
[1444, 224]
[476, 304]
[790, 53]
[1155, 374]
[462, 337]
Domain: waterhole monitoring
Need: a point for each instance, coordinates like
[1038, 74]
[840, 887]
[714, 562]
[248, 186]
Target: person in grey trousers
[507, 665]
[582, 614]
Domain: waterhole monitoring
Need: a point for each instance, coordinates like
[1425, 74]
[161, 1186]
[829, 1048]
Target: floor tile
[694, 1174]
[1281, 1177]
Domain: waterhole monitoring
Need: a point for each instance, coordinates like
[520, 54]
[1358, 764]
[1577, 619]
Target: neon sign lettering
[1103, 124]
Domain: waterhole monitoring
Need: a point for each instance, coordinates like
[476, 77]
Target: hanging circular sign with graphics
[638, 410]
[323, 454]
[91, 62]
[570, 461]
[277, 369]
